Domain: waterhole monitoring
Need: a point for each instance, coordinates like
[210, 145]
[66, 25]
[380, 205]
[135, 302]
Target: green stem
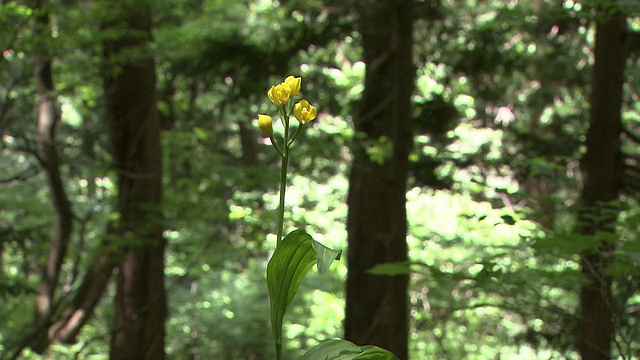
[283, 188]
[278, 351]
[274, 142]
[295, 135]
[283, 178]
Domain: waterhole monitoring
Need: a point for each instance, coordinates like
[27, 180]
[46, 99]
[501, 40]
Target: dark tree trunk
[248, 140]
[48, 118]
[376, 306]
[129, 83]
[603, 173]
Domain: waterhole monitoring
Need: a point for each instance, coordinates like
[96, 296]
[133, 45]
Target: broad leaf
[290, 262]
[376, 353]
[337, 349]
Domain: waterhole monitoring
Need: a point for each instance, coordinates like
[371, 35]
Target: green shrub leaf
[286, 269]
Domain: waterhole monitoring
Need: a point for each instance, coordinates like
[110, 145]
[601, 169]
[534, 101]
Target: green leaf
[286, 269]
[200, 133]
[334, 349]
[325, 256]
[376, 353]
[338, 349]
[391, 268]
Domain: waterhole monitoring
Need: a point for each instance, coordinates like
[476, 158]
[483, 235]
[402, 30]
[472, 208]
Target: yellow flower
[304, 112]
[265, 124]
[279, 94]
[294, 84]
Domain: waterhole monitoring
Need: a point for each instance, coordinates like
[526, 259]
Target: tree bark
[248, 140]
[129, 83]
[376, 306]
[603, 173]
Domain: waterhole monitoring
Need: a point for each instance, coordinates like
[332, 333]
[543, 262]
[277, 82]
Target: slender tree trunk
[77, 313]
[48, 118]
[129, 80]
[376, 306]
[603, 173]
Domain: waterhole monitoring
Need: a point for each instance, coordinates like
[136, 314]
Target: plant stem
[283, 187]
[279, 351]
[274, 142]
[283, 178]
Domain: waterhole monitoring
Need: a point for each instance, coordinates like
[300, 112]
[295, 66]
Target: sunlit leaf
[337, 349]
[286, 269]
[376, 353]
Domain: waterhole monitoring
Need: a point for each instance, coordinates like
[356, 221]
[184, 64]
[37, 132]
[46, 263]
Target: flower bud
[265, 124]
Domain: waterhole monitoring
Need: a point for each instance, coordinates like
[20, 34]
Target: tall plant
[297, 252]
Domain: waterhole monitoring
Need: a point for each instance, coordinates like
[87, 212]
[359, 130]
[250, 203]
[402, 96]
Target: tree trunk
[248, 140]
[81, 307]
[49, 327]
[376, 306]
[129, 81]
[603, 173]
[48, 118]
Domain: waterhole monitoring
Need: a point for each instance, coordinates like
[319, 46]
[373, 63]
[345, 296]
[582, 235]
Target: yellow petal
[297, 110]
[265, 123]
[304, 112]
[279, 94]
[294, 84]
[313, 112]
[271, 94]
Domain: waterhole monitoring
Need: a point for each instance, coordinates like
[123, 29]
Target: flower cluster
[282, 95]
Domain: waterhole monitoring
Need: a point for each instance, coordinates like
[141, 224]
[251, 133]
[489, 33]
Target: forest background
[134, 181]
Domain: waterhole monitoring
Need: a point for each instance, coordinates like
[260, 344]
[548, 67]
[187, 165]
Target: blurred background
[502, 246]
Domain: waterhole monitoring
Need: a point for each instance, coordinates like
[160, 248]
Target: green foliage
[379, 150]
[286, 269]
[337, 349]
[500, 111]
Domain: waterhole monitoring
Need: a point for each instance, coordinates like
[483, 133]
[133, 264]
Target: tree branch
[24, 175]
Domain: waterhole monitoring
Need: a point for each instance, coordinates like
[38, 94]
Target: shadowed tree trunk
[603, 173]
[130, 90]
[376, 306]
